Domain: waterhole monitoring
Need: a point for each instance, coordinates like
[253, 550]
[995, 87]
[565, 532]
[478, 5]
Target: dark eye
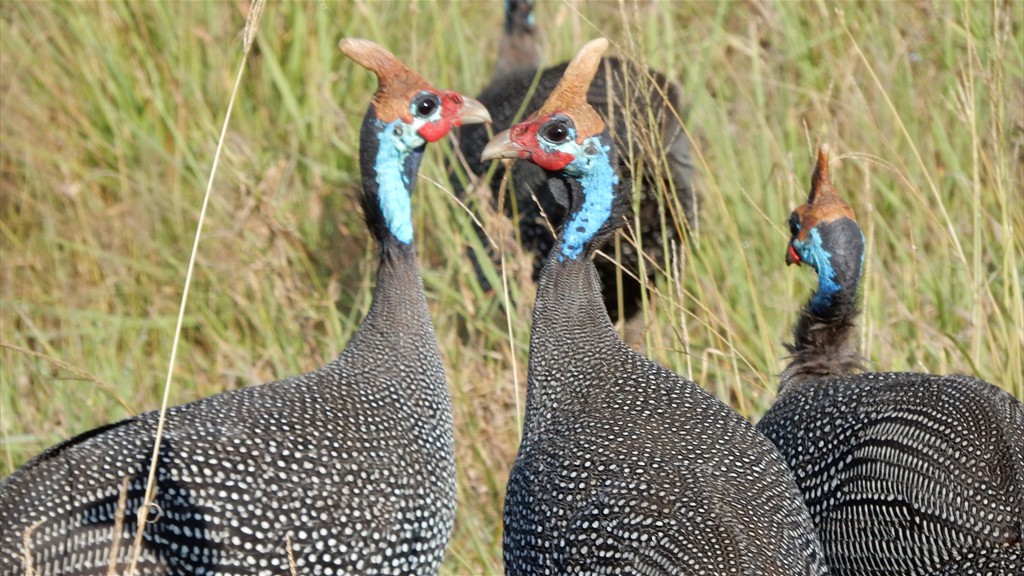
[794, 224]
[556, 131]
[425, 105]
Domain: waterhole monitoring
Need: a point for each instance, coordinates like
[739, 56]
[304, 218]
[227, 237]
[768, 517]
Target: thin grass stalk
[251, 26]
[970, 104]
[82, 374]
[26, 548]
[951, 230]
[115, 532]
[292, 568]
[508, 308]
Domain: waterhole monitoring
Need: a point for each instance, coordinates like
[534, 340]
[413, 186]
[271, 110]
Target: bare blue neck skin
[390, 157]
[594, 170]
[836, 252]
[396, 165]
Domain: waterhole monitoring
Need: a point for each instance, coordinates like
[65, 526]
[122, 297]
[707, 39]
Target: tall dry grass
[109, 116]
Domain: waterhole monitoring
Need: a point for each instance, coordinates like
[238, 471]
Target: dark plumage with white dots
[643, 108]
[904, 474]
[625, 467]
[347, 470]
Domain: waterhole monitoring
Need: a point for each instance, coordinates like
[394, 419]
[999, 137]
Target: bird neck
[389, 161]
[399, 306]
[593, 199]
[395, 351]
[395, 341]
[390, 156]
[823, 335]
[570, 326]
[569, 315]
[569, 291]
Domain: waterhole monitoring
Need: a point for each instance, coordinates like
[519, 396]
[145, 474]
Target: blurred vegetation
[110, 114]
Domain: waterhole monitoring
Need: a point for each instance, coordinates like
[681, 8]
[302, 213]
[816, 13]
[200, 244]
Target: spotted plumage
[904, 474]
[625, 467]
[345, 470]
[643, 108]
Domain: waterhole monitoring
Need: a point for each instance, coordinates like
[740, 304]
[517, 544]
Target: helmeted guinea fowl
[643, 108]
[625, 467]
[348, 469]
[517, 49]
[904, 474]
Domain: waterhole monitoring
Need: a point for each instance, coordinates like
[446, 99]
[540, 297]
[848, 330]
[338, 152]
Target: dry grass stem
[251, 26]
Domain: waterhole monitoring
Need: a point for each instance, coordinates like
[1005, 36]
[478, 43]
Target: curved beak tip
[501, 146]
[473, 112]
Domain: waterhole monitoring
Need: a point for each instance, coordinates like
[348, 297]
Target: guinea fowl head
[826, 237]
[567, 138]
[557, 136]
[405, 113]
[405, 96]
[519, 16]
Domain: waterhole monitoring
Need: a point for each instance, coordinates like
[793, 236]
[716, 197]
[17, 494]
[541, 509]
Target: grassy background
[110, 114]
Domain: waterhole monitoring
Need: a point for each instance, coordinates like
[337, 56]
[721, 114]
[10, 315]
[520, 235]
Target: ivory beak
[502, 147]
[473, 112]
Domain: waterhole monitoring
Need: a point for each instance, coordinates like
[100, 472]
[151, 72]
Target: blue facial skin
[398, 142]
[593, 167]
[813, 253]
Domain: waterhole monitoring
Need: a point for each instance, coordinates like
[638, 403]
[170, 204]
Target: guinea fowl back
[642, 108]
[347, 469]
[903, 473]
[932, 462]
[625, 467]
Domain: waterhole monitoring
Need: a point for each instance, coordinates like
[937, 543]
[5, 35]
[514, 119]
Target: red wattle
[433, 132]
[793, 257]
